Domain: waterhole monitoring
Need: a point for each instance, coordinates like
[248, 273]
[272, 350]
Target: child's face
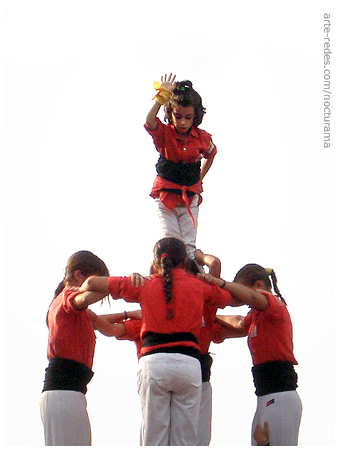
[182, 118]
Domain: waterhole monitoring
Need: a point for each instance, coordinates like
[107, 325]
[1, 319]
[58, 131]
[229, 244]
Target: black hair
[251, 273]
[186, 96]
[87, 263]
[169, 252]
[191, 266]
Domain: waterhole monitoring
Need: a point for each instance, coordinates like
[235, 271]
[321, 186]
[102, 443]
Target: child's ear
[259, 284]
[78, 277]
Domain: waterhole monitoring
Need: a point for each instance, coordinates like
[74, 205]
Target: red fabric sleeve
[121, 288]
[157, 134]
[68, 295]
[133, 328]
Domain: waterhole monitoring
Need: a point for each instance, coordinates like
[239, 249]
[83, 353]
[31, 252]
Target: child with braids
[186, 155]
[170, 374]
[270, 340]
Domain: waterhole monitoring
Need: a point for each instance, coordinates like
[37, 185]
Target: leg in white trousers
[283, 412]
[65, 418]
[177, 223]
[170, 393]
[204, 425]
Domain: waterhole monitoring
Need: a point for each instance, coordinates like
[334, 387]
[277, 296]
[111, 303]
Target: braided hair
[169, 252]
[186, 96]
[251, 273]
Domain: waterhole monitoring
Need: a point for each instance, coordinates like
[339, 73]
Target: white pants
[177, 223]
[170, 392]
[65, 418]
[283, 412]
[204, 424]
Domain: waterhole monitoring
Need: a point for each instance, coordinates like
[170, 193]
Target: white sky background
[80, 166]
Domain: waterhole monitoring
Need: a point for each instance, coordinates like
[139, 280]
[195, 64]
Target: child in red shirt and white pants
[170, 377]
[270, 340]
[186, 155]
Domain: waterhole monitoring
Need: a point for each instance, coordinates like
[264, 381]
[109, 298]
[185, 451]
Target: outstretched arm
[92, 290]
[105, 327]
[241, 295]
[169, 84]
[87, 298]
[97, 284]
[116, 317]
[232, 326]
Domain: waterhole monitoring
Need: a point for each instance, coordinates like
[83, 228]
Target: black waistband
[65, 374]
[153, 339]
[186, 350]
[206, 362]
[184, 174]
[273, 377]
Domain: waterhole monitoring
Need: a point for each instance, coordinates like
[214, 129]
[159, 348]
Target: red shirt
[70, 333]
[270, 332]
[133, 328]
[217, 333]
[188, 297]
[197, 144]
[206, 333]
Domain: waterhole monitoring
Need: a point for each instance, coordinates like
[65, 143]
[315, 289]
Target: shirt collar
[193, 132]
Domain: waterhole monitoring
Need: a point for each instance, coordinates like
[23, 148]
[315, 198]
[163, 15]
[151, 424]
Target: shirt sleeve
[121, 288]
[133, 328]
[157, 135]
[273, 310]
[217, 296]
[211, 150]
[68, 296]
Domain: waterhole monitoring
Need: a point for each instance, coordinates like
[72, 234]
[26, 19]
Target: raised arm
[169, 84]
[87, 298]
[96, 284]
[241, 295]
[92, 290]
[213, 263]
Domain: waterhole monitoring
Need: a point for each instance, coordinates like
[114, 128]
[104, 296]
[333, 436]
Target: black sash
[206, 362]
[153, 339]
[274, 377]
[65, 374]
[161, 339]
[178, 172]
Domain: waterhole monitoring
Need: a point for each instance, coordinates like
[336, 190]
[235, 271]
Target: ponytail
[272, 275]
[59, 288]
[250, 273]
[169, 252]
[166, 268]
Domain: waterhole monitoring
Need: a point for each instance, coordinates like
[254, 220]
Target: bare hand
[93, 318]
[169, 82]
[261, 434]
[137, 280]
[136, 314]
[205, 277]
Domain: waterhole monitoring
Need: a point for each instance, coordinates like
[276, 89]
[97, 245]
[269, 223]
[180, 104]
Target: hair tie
[163, 255]
[269, 271]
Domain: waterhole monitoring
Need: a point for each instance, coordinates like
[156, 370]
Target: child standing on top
[186, 155]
